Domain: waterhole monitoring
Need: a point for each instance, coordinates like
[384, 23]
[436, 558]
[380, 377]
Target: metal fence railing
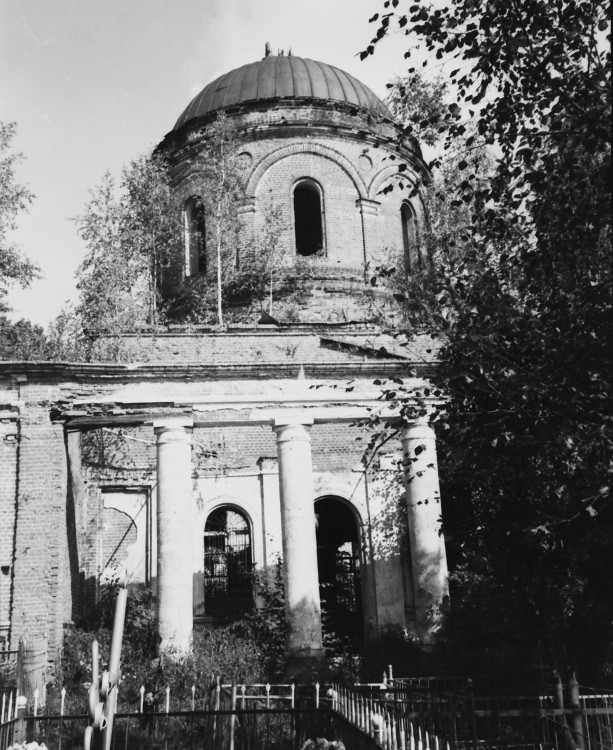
[470, 714]
[395, 715]
[8, 719]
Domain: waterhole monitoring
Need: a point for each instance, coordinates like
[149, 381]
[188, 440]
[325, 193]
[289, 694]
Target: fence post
[471, 709]
[297, 722]
[573, 695]
[233, 715]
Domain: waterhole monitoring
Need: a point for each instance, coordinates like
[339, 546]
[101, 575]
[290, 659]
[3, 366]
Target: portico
[292, 428]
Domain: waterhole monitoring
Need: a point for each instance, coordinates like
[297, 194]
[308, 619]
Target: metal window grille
[228, 568]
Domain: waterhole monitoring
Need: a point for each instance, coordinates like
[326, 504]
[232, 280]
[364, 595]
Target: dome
[282, 77]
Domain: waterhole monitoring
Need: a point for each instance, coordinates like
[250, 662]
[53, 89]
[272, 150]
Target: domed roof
[281, 77]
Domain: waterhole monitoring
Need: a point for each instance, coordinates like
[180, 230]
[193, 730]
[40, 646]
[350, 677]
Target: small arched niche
[195, 236]
[339, 566]
[228, 565]
[308, 218]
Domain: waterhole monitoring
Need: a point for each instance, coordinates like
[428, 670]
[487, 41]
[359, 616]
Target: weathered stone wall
[251, 345]
[42, 597]
[353, 158]
[9, 449]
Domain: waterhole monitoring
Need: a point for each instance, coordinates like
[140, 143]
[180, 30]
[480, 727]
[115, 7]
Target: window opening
[412, 256]
[308, 219]
[228, 568]
[195, 237]
[338, 562]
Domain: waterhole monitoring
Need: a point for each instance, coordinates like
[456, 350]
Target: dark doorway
[228, 582]
[307, 219]
[338, 561]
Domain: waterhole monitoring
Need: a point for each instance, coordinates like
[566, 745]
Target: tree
[22, 341]
[242, 272]
[420, 105]
[525, 309]
[14, 198]
[223, 192]
[133, 236]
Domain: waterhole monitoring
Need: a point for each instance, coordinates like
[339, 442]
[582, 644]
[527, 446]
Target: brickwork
[118, 534]
[9, 449]
[253, 346]
[340, 215]
[350, 156]
[41, 597]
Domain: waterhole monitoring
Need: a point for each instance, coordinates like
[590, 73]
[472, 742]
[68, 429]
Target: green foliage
[242, 274]
[133, 236]
[521, 290]
[14, 198]
[392, 646]
[267, 623]
[419, 105]
[243, 286]
[22, 340]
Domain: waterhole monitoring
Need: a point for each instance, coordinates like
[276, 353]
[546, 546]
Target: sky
[93, 84]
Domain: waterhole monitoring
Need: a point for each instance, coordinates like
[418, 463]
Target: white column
[428, 557]
[175, 519]
[302, 603]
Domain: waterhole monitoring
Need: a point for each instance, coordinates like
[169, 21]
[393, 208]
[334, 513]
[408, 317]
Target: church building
[211, 455]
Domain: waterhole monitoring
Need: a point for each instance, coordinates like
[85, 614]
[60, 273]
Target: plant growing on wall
[242, 271]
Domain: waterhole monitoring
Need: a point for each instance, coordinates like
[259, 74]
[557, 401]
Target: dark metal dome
[279, 77]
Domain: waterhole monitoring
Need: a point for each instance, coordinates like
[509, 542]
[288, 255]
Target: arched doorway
[338, 562]
[228, 565]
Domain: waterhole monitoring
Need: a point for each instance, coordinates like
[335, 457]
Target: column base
[305, 665]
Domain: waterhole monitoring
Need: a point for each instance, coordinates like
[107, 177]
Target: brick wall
[9, 447]
[42, 595]
[350, 156]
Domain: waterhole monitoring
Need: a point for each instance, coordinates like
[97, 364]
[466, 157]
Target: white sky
[95, 83]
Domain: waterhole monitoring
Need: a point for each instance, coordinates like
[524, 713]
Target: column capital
[368, 206]
[417, 429]
[173, 429]
[292, 431]
[288, 419]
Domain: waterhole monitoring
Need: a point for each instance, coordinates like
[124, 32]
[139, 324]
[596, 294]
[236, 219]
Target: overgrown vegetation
[520, 289]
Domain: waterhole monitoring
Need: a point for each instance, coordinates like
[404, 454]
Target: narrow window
[195, 237]
[308, 219]
[412, 256]
[228, 585]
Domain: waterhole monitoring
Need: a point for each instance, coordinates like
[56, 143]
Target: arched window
[308, 218]
[410, 237]
[195, 237]
[228, 566]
